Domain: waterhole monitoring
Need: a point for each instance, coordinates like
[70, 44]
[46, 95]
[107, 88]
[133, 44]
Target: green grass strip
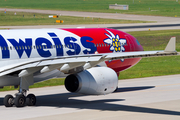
[10, 19]
[143, 7]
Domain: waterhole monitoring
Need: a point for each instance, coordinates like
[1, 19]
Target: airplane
[91, 58]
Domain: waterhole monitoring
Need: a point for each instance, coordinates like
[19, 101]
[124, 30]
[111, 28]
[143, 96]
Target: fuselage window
[99, 44]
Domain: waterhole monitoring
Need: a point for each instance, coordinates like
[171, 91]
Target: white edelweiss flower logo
[116, 43]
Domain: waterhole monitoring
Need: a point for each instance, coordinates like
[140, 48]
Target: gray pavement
[143, 98]
[98, 26]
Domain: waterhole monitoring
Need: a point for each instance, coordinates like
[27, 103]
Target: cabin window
[10, 47]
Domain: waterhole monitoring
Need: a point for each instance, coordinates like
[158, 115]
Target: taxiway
[141, 98]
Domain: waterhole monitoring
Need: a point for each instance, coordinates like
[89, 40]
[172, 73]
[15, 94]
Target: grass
[156, 40]
[147, 67]
[143, 7]
[156, 66]
[51, 82]
[42, 19]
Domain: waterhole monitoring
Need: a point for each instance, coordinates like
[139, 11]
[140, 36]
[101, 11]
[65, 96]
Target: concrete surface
[143, 98]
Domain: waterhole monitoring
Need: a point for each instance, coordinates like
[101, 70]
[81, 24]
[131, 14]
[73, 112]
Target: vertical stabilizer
[171, 46]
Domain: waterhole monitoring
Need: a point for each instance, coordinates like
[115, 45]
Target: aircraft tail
[171, 46]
